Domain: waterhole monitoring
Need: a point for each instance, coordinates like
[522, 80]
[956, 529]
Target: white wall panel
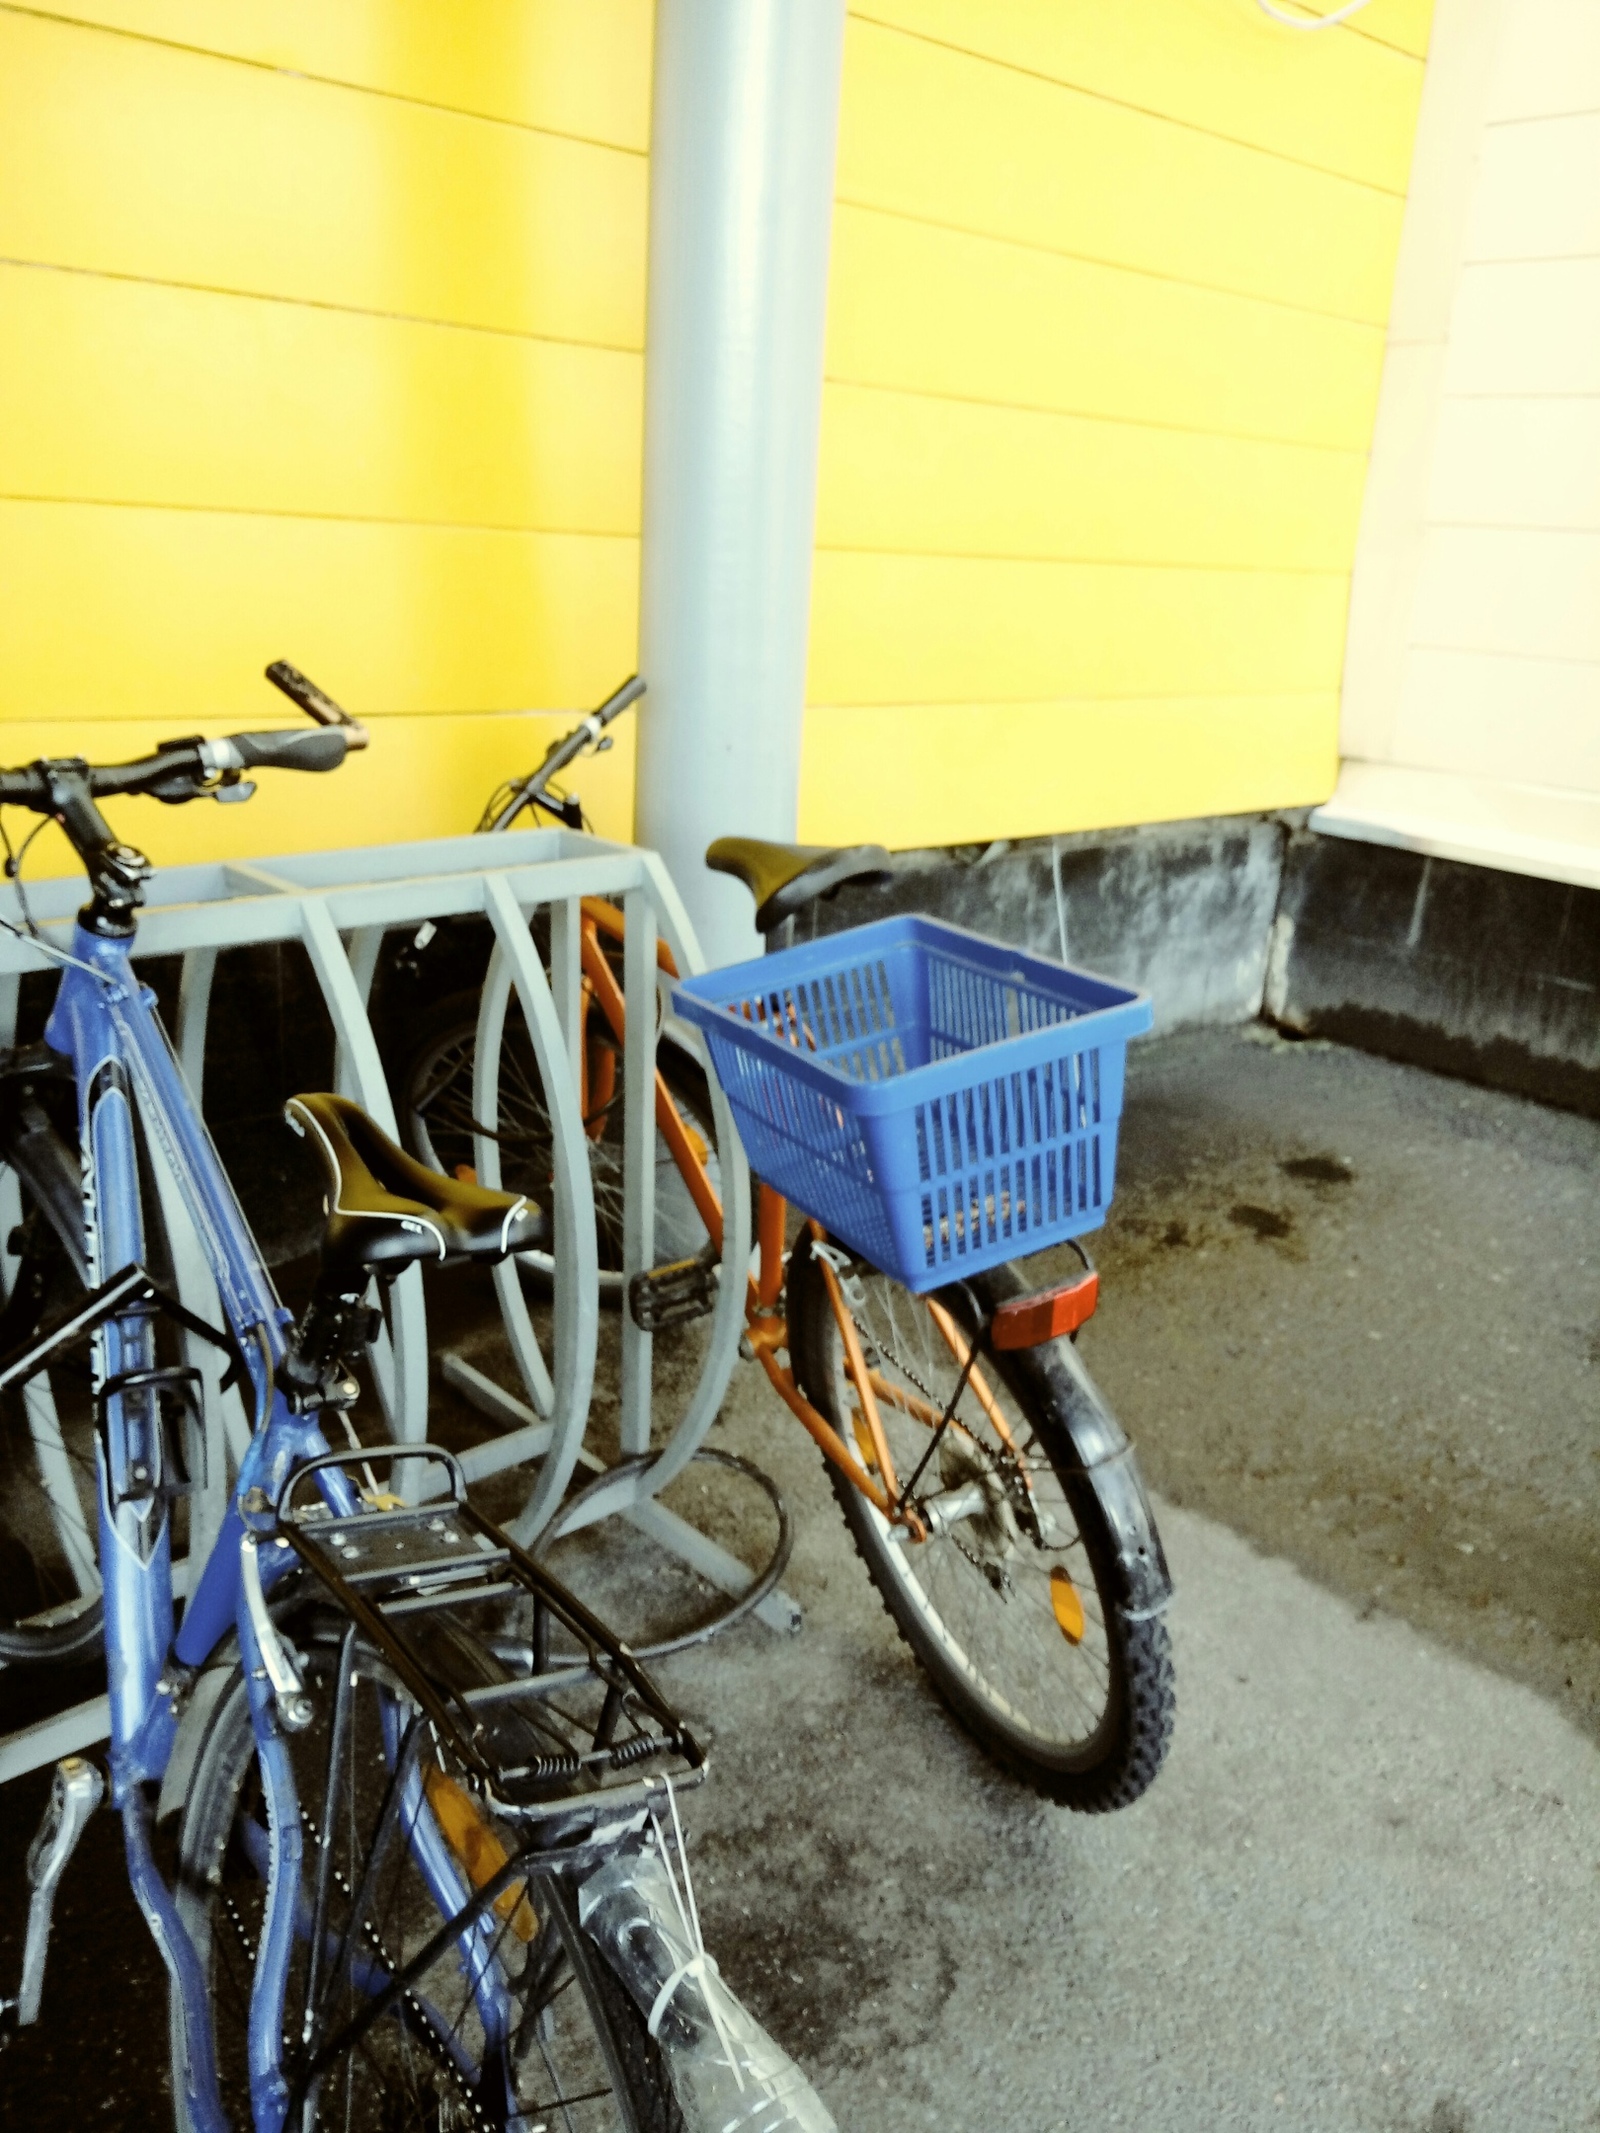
[1538, 192]
[1475, 708]
[1472, 674]
[1493, 589]
[1515, 462]
[1526, 328]
[1551, 64]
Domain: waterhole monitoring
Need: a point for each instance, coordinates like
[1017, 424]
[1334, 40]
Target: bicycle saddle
[385, 1209]
[784, 878]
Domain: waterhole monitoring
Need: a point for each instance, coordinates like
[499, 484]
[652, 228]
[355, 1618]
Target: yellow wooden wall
[1110, 282]
[320, 337]
[321, 331]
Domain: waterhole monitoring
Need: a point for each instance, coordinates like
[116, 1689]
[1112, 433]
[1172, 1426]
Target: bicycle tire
[408, 2074]
[436, 1120]
[43, 1450]
[982, 1606]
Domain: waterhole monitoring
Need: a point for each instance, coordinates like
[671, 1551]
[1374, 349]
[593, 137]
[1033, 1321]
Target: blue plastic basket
[940, 1102]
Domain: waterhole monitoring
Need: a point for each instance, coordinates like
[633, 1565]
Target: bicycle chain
[431, 2042]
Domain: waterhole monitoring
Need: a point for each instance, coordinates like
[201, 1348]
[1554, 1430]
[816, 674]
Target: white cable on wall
[1313, 22]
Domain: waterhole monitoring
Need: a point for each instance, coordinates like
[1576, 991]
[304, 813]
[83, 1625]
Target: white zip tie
[696, 1967]
[683, 1856]
[699, 1964]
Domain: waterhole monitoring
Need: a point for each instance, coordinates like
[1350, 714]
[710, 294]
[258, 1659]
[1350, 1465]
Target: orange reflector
[467, 1832]
[1066, 1606]
[1046, 1317]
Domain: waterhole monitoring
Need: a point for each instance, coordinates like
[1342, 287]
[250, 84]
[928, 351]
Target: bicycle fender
[194, 1722]
[1051, 1383]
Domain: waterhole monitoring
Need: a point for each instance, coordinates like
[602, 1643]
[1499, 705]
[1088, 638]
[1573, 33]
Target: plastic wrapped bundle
[727, 2073]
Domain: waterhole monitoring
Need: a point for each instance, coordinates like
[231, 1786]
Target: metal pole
[743, 132]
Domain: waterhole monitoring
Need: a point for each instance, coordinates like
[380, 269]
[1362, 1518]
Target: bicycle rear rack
[527, 1694]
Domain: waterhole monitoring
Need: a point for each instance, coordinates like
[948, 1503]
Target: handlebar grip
[615, 704]
[302, 690]
[324, 748]
[22, 788]
[314, 702]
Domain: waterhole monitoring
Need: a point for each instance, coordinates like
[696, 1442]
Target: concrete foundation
[1489, 976]
[1183, 910]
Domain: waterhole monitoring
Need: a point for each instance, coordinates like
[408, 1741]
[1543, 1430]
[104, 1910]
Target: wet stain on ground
[1398, 1393]
[1318, 1170]
[1263, 1222]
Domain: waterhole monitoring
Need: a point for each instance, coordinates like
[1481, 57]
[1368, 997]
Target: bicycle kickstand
[77, 1792]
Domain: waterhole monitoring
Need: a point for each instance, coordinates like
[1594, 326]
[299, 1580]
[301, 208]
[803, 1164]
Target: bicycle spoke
[984, 1579]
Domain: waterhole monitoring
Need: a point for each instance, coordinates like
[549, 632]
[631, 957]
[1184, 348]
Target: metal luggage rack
[543, 1717]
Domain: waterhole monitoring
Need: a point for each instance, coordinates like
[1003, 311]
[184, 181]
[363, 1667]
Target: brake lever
[314, 702]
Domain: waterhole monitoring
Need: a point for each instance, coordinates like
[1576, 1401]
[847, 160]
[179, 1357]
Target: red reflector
[1032, 1319]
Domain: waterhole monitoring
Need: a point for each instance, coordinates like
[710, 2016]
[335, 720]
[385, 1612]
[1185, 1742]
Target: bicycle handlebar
[69, 789]
[314, 702]
[323, 749]
[586, 733]
[530, 791]
[177, 771]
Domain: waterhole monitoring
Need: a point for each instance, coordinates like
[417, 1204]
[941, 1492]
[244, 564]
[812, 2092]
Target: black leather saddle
[784, 878]
[385, 1209]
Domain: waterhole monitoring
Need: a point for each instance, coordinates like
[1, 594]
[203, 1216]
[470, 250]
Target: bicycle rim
[570, 2054]
[440, 1129]
[1003, 1602]
[49, 1572]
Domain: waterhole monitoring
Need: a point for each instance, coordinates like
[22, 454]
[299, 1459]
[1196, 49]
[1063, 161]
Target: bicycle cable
[754, 1593]
[59, 955]
[14, 866]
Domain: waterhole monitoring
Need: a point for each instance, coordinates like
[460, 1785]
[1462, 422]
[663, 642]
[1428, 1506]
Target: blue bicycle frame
[105, 1021]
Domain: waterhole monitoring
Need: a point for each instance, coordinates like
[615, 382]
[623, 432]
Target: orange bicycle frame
[768, 1333]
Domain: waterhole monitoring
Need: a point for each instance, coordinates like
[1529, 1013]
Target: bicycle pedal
[77, 1792]
[674, 1295]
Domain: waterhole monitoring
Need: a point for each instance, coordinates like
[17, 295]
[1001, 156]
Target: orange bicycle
[993, 1497]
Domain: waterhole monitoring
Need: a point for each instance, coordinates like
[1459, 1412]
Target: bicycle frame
[768, 1331]
[104, 1020]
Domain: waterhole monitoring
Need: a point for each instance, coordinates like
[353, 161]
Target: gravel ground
[1349, 1314]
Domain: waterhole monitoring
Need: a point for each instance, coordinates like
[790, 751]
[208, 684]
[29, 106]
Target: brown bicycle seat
[385, 1210]
[784, 878]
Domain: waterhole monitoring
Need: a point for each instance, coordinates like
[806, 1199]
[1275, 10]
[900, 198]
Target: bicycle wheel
[436, 1118]
[49, 1568]
[1009, 1602]
[563, 2047]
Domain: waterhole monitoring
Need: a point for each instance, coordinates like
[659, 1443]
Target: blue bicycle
[424, 1866]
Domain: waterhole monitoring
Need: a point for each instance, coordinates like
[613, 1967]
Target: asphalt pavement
[1350, 1317]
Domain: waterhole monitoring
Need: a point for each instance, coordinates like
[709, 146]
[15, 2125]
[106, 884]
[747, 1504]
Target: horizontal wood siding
[321, 336]
[1484, 572]
[1106, 329]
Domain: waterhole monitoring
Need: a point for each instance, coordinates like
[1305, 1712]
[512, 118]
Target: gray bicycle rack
[339, 905]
